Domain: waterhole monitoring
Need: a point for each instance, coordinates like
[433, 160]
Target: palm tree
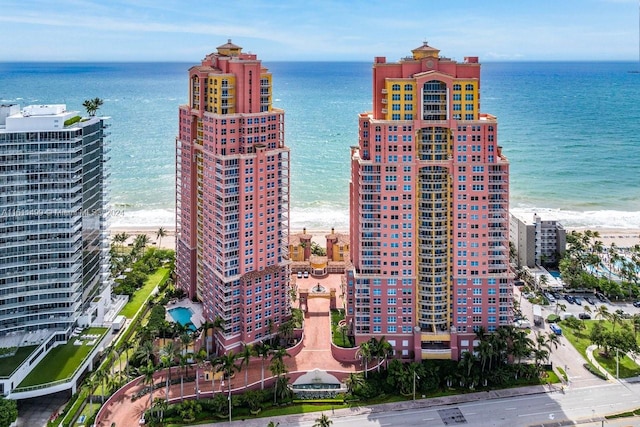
[543, 281]
[278, 367]
[521, 346]
[273, 424]
[92, 105]
[354, 380]
[286, 329]
[147, 373]
[161, 405]
[206, 326]
[615, 318]
[323, 421]
[218, 326]
[365, 355]
[382, 349]
[263, 351]
[186, 339]
[101, 377]
[602, 312]
[183, 368]
[560, 306]
[126, 345]
[160, 234]
[228, 365]
[485, 352]
[246, 354]
[635, 321]
[146, 351]
[168, 354]
[141, 242]
[90, 385]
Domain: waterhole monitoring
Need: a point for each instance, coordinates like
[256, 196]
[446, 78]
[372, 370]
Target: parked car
[590, 300]
[556, 295]
[601, 297]
[577, 300]
[299, 274]
[569, 299]
[549, 297]
[636, 304]
[555, 329]
[584, 316]
[305, 274]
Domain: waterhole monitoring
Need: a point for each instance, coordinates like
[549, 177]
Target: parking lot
[575, 303]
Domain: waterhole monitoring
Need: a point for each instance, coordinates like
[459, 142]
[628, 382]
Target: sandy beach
[167, 242]
[623, 238]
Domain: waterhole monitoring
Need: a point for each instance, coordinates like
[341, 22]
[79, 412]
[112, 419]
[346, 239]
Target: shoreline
[622, 237]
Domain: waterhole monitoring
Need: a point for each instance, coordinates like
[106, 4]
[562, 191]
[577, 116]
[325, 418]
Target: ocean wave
[143, 218]
[325, 217]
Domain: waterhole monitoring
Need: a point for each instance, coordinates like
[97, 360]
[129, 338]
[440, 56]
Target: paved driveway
[316, 353]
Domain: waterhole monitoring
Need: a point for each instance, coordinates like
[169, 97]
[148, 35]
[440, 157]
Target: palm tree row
[585, 258]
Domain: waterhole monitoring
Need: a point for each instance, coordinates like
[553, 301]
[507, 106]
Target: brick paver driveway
[315, 354]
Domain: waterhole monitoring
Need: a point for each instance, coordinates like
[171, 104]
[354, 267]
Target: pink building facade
[232, 197]
[429, 197]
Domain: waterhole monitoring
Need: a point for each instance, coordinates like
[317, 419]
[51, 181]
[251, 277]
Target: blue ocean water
[571, 131]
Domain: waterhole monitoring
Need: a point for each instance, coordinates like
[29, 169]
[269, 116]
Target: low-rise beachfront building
[429, 198]
[299, 248]
[54, 262]
[337, 246]
[536, 241]
[232, 197]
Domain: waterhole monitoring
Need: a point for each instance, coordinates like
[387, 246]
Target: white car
[299, 274]
[305, 274]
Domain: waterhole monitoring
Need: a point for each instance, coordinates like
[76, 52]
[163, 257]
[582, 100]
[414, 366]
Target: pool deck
[196, 308]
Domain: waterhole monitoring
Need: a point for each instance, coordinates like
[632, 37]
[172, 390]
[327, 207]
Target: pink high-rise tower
[429, 199]
[232, 197]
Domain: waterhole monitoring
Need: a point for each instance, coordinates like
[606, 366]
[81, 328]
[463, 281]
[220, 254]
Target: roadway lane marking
[428, 419]
[535, 413]
[509, 409]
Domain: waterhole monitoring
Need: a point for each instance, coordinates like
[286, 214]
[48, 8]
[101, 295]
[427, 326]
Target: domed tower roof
[425, 51]
[229, 49]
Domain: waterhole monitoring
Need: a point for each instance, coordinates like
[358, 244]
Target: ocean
[571, 131]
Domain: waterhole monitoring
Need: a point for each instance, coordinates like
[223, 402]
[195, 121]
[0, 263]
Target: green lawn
[10, 364]
[62, 361]
[337, 337]
[580, 340]
[141, 295]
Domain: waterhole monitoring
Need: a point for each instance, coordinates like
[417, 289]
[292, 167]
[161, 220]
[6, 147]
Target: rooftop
[35, 117]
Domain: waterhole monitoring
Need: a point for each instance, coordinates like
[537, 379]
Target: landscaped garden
[609, 336]
[339, 330]
[11, 363]
[63, 360]
[140, 296]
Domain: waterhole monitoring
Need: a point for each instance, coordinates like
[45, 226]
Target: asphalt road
[584, 406]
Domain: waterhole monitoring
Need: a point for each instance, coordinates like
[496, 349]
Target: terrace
[63, 361]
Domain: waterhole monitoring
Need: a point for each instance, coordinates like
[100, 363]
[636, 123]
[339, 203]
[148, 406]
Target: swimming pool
[182, 315]
[554, 273]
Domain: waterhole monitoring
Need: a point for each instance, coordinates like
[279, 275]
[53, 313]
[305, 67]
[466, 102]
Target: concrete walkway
[589, 351]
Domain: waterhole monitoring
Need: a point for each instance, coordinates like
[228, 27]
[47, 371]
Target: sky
[330, 30]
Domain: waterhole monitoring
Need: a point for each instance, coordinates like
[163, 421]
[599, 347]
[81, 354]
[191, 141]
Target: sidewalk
[457, 399]
[589, 351]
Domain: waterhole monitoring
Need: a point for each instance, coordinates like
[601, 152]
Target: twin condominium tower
[429, 197]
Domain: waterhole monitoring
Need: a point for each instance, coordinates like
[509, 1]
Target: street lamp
[414, 384]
